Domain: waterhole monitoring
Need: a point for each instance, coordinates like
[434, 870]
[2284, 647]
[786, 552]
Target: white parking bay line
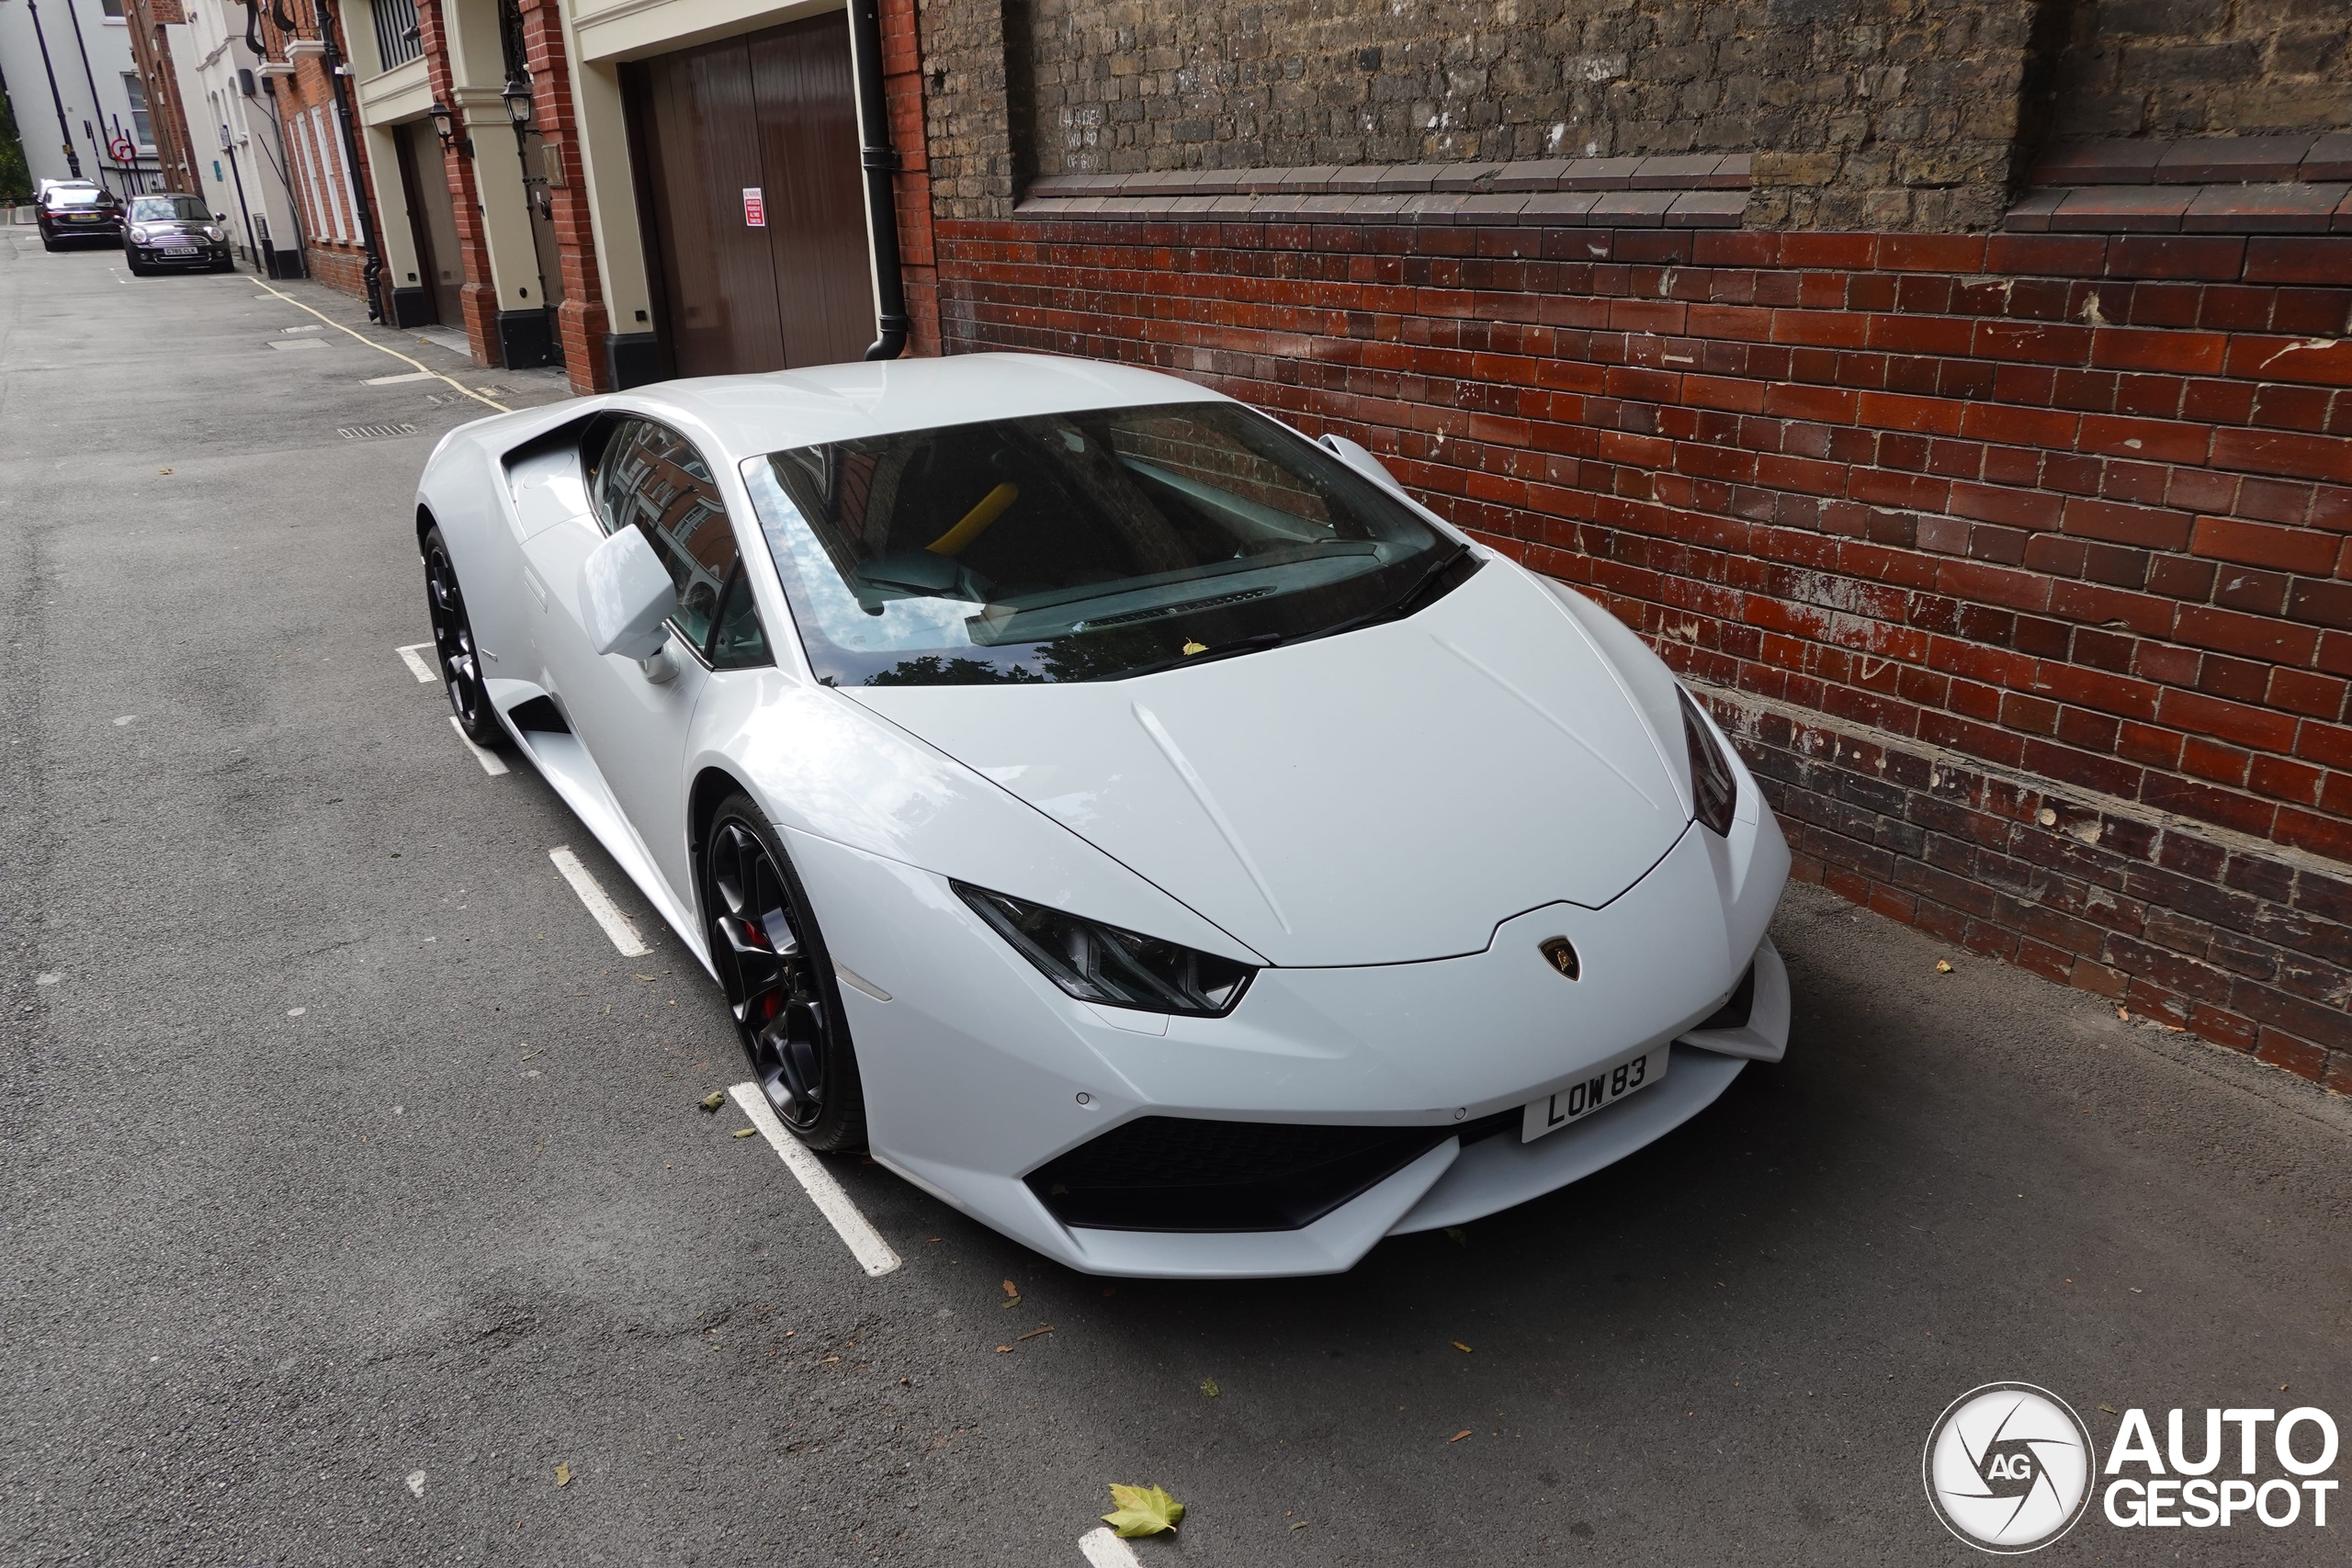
[492, 762]
[600, 903]
[1104, 1548]
[866, 1243]
[417, 666]
[406, 375]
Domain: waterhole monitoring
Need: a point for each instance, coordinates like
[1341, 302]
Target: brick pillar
[902, 86]
[477, 296]
[581, 319]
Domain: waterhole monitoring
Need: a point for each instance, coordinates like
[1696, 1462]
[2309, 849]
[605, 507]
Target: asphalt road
[353, 1183]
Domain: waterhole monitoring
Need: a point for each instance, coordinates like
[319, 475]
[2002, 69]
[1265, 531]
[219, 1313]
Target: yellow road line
[371, 342]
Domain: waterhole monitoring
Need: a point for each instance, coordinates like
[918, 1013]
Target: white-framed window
[330, 208]
[141, 126]
[299, 147]
[331, 126]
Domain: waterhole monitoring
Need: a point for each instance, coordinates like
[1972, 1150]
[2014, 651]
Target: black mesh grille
[1732, 1014]
[1171, 1173]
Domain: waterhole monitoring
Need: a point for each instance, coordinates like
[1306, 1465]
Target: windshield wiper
[1414, 598]
[1222, 650]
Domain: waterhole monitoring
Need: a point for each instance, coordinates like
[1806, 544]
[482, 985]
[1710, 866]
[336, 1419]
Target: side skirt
[564, 763]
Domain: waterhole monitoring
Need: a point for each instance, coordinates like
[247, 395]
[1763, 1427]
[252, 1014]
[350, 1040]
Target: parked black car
[70, 210]
[172, 229]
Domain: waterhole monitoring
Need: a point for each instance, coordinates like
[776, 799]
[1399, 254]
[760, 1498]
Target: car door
[632, 716]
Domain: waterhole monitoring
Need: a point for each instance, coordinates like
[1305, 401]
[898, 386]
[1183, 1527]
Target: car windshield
[1081, 546]
[168, 209]
[78, 198]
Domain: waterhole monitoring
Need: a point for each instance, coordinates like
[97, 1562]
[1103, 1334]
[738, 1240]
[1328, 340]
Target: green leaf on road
[1143, 1511]
[712, 1101]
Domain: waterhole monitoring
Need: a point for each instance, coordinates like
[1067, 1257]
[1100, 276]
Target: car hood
[1381, 796]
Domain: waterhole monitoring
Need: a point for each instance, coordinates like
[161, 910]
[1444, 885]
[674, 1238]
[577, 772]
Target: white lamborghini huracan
[1148, 829]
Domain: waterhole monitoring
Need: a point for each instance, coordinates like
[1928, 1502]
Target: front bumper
[978, 1071]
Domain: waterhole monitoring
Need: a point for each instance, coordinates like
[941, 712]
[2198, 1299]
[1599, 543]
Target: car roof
[769, 411]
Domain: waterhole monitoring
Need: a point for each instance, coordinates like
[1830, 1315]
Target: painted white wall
[235, 138]
[87, 48]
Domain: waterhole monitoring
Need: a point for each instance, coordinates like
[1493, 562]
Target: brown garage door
[748, 177]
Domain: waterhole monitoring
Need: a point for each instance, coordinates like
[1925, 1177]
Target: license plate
[179, 250]
[1605, 1085]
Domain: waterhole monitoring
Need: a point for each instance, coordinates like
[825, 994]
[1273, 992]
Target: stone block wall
[2204, 68]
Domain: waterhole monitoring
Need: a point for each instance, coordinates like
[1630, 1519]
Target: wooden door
[816, 213]
[775, 113]
[432, 221]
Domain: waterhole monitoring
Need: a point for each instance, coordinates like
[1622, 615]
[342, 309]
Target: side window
[651, 478]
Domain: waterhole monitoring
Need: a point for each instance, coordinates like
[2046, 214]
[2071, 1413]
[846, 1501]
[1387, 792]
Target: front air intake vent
[1174, 1173]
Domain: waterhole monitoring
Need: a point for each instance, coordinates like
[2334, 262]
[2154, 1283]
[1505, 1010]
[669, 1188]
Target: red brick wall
[581, 321]
[2064, 516]
[902, 85]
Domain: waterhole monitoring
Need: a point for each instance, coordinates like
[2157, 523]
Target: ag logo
[1561, 955]
[2009, 1468]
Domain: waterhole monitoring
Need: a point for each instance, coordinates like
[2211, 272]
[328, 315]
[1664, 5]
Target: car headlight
[138, 231]
[213, 233]
[1115, 968]
[1715, 789]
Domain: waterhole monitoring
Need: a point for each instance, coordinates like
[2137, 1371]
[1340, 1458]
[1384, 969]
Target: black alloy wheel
[779, 981]
[453, 646]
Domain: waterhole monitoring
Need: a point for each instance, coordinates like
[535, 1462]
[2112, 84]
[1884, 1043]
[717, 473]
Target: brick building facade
[1959, 395]
[307, 117]
[150, 48]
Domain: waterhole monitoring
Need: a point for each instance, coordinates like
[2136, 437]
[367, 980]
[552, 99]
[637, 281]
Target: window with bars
[398, 39]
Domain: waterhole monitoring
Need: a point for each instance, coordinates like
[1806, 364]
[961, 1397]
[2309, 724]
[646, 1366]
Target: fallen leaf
[162, 471]
[2109, 1409]
[1041, 1328]
[742, 1131]
[1459, 1436]
[1011, 1290]
[712, 1101]
[1004, 1350]
[1143, 1511]
[563, 1475]
[1943, 966]
[1299, 1526]
[1461, 1347]
[1208, 1387]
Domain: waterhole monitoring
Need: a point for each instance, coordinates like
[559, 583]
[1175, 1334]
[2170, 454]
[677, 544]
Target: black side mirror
[219, 217]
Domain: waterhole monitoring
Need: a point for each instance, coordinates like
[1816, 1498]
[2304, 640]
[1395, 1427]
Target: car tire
[778, 978]
[47, 243]
[454, 649]
[136, 270]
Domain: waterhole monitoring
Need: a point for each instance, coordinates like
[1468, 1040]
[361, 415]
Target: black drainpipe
[879, 161]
